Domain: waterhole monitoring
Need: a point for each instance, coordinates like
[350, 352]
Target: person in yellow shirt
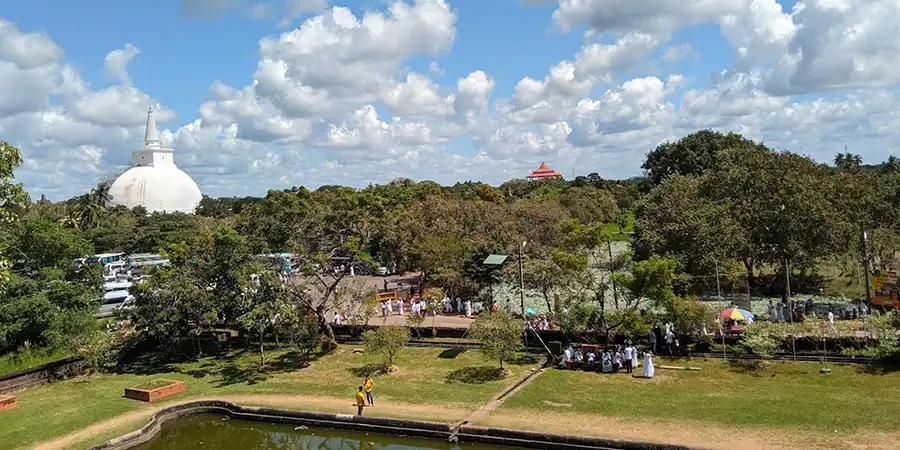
[360, 401]
[369, 384]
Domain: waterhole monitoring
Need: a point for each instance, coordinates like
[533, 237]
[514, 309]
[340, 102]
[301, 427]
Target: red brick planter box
[7, 402]
[152, 395]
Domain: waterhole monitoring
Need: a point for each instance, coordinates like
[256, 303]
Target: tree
[50, 307]
[541, 274]
[322, 290]
[693, 154]
[847, 161]
[621, 220]
[587, 266]
[589, 205]
[266, 303]
[388, 340]
[677, 220]
[12, 200]
[782, 218]
[499, 333]
[171, 304]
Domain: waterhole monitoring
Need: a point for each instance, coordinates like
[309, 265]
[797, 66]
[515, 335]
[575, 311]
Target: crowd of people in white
[610, 360]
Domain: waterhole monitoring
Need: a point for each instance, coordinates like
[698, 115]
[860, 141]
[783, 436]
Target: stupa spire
[151, 134]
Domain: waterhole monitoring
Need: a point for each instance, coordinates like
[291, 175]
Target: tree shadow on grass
[154, 362]
[876, 369]
[753, 367]
[523, 359]
[451, 353]
[371, 370]
[232, 373]
[476, 375]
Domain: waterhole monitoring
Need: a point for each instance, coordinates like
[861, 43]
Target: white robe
[606, 363]
[648, 366]
[459, 308]
[400, 305]
[468, 308]
[389, 307]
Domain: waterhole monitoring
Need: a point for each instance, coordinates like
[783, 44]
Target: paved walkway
[495, 402]
[430, 321]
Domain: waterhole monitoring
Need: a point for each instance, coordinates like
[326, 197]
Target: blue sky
[181, 56]
[839, 64]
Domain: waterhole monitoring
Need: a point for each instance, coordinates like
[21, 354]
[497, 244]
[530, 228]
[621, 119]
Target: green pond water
[219, 433]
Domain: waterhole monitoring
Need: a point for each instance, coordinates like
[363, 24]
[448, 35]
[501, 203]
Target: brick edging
[416, 428]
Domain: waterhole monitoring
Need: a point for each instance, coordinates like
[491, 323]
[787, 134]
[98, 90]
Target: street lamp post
[522, 291]
[522, 279]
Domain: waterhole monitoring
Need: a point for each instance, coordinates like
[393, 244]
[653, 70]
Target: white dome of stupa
[154, 181]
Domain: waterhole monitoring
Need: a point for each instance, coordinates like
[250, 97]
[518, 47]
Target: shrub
[387, 340]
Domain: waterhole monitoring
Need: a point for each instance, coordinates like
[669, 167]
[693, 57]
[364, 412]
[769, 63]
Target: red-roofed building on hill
[543, 172]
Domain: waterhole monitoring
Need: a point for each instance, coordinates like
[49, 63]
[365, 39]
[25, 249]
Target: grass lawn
[426, 378]
[619, 235]
[785, 397]
[26, 359]
[152, 384]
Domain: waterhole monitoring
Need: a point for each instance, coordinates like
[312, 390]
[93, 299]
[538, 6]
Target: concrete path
[495, 402]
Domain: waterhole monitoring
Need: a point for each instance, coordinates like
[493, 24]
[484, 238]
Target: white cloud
[355, 98]
[116, 63]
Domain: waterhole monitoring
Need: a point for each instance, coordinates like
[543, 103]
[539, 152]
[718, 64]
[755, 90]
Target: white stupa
[153, 181]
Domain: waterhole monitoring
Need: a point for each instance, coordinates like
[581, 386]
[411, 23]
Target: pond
[220, 433]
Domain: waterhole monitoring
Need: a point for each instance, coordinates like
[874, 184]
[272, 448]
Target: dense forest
[711, 208]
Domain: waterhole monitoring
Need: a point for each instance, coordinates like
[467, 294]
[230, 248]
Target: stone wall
[434, 430]
[47, 373]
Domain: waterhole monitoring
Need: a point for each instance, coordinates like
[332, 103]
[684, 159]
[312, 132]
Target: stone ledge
[434, 430]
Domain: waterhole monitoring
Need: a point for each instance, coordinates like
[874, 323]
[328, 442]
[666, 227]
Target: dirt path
[326, 404]
[688, 433]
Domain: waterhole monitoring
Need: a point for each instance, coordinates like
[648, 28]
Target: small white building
[154, 181]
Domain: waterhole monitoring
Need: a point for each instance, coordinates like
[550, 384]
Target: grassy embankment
[26, 359]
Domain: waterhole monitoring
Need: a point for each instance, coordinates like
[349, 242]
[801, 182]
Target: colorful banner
[887, 292]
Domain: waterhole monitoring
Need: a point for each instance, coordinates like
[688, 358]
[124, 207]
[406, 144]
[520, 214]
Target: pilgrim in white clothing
[606, 363]
[648, 365]
[400, 305]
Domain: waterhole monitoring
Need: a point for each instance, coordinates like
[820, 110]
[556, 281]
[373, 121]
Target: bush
[387, 340]
[761, 339]
[101, 351]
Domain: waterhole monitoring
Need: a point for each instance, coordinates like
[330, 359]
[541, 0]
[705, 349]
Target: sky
[267, 94]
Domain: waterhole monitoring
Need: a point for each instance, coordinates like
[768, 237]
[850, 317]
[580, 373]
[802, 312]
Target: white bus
[105, 258]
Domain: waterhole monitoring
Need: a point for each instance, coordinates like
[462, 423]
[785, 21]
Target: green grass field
[619, 235]
[446, 385]
[439, 377]
[784, 396]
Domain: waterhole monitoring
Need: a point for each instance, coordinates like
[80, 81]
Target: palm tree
[893, 164]
[92, 205]
[100, 194]
[847, 161]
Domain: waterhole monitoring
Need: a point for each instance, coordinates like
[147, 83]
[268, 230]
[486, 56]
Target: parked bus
[105, 258]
